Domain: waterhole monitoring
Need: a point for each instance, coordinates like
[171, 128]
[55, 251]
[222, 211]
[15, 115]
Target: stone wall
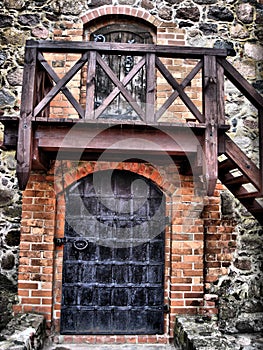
[232, 24]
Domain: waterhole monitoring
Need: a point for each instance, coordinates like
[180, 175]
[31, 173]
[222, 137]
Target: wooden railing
[39, 75]
[41, 85]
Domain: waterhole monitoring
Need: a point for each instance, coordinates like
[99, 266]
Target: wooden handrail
[241, 83]
[212, 63]
[120, 48]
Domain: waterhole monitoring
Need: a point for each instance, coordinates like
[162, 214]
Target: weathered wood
[117, 139]
[243, 163]
[150, 88]
[43, 85]
[119, 48]
[116, 90]
[61, 84]
[187, 101]
[121, 87]
[90, 86]
[211, 118]
[40, 160]
[230, 179]
[175, 94]
[25, 134]
[220, 94]
[241, 83]
[64, 89]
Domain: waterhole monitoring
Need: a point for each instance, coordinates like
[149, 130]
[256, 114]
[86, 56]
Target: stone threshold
[24, 332]
[198, 333]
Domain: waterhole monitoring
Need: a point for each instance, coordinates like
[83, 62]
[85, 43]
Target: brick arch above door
[167, 33]
[121, 10]
[66, 173]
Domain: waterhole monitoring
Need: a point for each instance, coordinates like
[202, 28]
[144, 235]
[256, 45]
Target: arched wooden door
[121, 31]
[113, 269]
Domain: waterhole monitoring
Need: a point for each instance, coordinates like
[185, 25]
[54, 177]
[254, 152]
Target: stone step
[24, 332]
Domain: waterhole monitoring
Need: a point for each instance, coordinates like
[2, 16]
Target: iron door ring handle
[80, 244]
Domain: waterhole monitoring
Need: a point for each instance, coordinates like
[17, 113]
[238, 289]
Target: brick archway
[66, 174]
[121, 10]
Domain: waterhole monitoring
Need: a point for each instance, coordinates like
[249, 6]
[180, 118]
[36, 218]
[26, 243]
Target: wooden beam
[175, 94]
[220, 94]
[61, 84]
[90, 86]
[187, 101]
[64, 89]
[150, 88]
[121, 138]
[211, 118]
[241, 83]
[121, 87]
[243, 163]
[115, 92]
[25, 134]
[118, 48]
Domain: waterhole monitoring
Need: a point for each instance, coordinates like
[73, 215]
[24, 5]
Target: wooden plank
[120, 48]
[241, 83]
[25, 134]
[187, 101]
[90, 85]
[230, 179]
[220, 94]
[115, 92]
[98, 138]
[243, 163]
[150, 87]
[211, 119]
[61, 84]
[121, 87]
[64, 89]
[175, 94]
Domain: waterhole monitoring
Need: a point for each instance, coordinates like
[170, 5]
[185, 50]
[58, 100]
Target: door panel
[113, 277]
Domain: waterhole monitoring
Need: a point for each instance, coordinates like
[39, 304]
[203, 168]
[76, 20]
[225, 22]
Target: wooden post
[211, 119]
[150, 88]
[221, 107]
[25, 135]
[90, 95]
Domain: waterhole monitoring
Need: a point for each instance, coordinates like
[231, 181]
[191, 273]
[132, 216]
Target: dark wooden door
[121, 65]
[113, 270]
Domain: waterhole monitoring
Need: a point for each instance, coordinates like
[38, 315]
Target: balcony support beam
[211, 119]
[25, 132]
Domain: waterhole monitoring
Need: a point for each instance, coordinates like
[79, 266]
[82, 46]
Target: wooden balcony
[199, 133]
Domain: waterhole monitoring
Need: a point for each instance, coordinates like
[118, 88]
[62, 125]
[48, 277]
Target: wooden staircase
[236, 171]
[242, 178]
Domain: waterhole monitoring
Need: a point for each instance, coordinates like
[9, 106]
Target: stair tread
[226, 164]
[230, 179]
